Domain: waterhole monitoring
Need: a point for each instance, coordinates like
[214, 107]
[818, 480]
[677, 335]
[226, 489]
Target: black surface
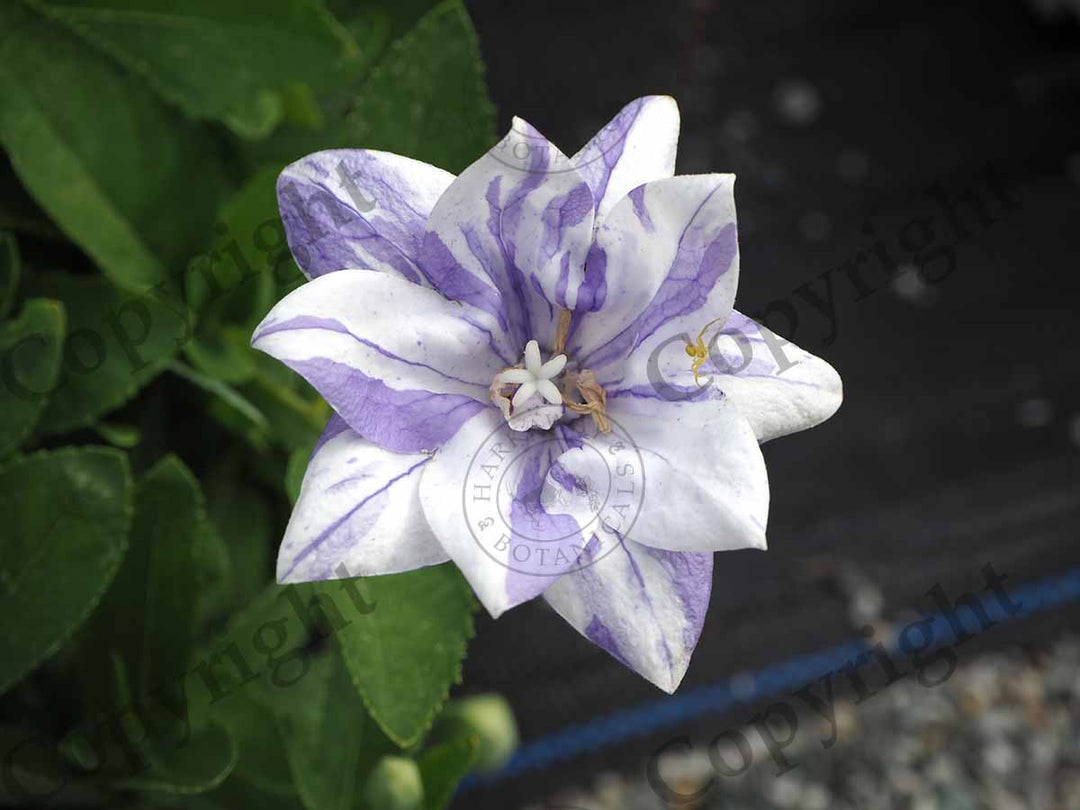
[959, 439]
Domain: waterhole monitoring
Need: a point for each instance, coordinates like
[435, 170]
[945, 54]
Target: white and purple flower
[540, 293]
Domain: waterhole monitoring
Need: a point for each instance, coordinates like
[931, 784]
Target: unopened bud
[490, 718]
[394, 784]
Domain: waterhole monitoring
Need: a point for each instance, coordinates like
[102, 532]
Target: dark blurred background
[958, 443]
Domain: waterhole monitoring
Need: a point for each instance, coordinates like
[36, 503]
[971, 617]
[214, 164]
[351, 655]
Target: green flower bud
[394, 784]
[490, 718]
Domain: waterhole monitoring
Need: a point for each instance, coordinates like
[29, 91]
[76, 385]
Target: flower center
[535, 379]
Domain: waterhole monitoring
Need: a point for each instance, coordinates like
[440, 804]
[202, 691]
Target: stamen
[562, 331]
[698, 351]
[594, 396]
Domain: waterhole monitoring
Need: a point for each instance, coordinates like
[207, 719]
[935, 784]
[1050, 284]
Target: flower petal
[778, 387]
[644, 606]
[706, 488]
[358, 208]
[404, 388]
[510, 235]
[358, 513]
[638, 145]
[482, 497]
[665, 261]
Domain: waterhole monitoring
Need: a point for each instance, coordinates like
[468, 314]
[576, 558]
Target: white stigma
[536, 377]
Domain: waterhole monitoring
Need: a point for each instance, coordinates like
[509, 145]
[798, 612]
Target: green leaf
[18, 212]
[243, 517]
[442, 767]
[33, 770]
[295, 469]
[118, 434]
[226, 394]
[297, 415]
[216, 60]
[406, 654]
[427, 98]
[67, 515]
[329, 739]
[157, 596]
[238, 792]
[29, 368]
[234, 286]
[122, 174]
[196, 765]
[9, 273]
[253, 725]
[157, 589]
[116, 343]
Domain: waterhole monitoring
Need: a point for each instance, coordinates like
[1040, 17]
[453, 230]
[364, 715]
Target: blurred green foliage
[149, 458]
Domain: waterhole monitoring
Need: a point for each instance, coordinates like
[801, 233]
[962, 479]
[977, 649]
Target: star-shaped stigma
[536, 377]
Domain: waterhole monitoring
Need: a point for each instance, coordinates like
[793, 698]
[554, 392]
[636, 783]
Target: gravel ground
[1002, 733]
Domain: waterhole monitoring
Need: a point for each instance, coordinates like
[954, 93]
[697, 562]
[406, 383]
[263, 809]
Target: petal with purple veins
[358, 513]
[778, 387]
[637, 146]
[645, 606]
[705, 485]
[666, 261]
[406, 389]
[358, 208]
[482, 496]
[510, 235]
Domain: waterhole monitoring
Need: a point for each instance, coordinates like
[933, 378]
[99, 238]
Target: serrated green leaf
[158, 587]
[116, 343]
[157, 597]
[263, 762]
[427, 97]
[216, 60]
[442, 767]
[329, 739]
[10, 268]
[29, 368]
[67, 515]
[406, 654]
[121, 173]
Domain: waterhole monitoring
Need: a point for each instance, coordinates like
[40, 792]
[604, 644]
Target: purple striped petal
[778, 387]
[482, 496]
[668, 259]
[706, 488]
[358, 513]
[358, 208]
[510, 234]
[644, 606]
[637, 146]
[395, 360]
